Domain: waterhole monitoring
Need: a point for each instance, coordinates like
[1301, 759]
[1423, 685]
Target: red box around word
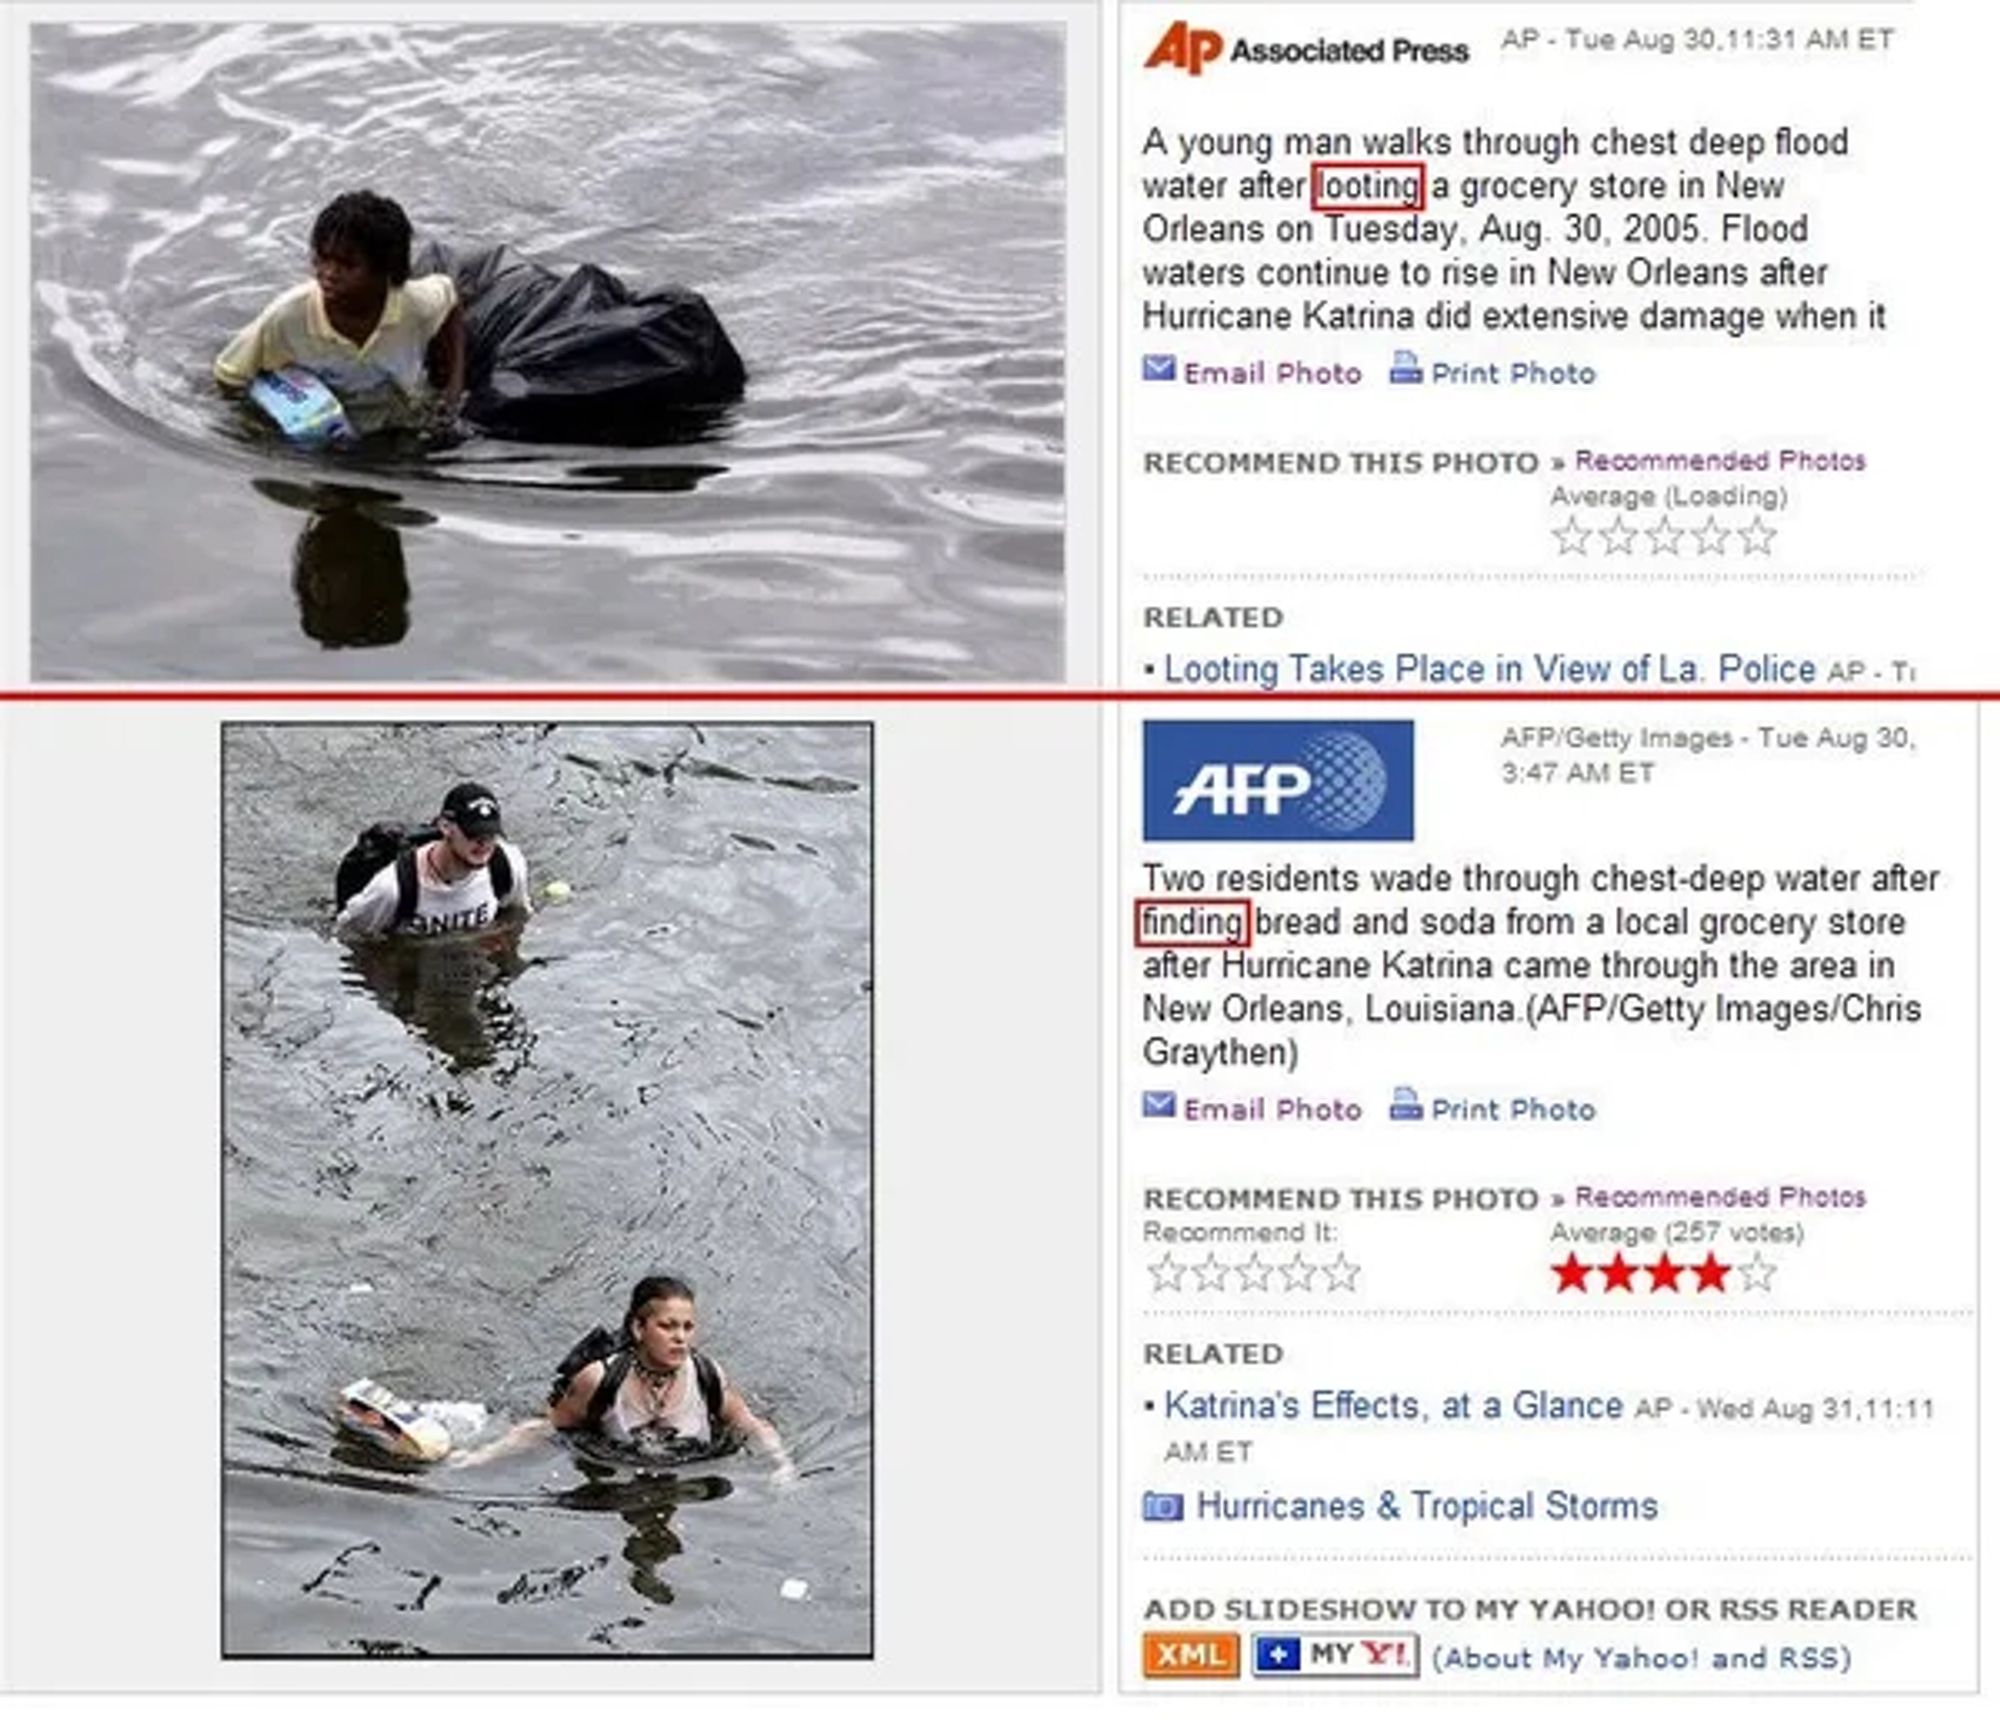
[1141, 903]
[1422, 203]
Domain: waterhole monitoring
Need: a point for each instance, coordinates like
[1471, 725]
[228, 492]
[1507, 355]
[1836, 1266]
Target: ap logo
[1280, 782]
[1188, 48]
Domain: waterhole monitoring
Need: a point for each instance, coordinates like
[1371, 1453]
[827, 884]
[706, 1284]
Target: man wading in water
[460, 881]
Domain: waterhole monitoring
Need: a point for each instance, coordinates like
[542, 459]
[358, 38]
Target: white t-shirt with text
[466, 906]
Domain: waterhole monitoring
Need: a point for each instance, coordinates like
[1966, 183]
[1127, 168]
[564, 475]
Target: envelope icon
[1157, 367]
[1156, 1104]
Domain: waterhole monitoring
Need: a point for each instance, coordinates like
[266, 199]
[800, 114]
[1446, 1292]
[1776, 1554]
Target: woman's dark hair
[655, 1289]
[374, 226]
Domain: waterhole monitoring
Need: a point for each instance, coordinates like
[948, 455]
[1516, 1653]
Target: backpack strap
[615, 1370]
[709, 1377]
[500, 873]
[406, 887]
[706, 1374]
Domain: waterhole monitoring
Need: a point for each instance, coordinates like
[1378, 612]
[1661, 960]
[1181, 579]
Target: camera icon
[1162, 1507]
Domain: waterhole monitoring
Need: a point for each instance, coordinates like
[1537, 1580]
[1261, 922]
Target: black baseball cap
[474, 808]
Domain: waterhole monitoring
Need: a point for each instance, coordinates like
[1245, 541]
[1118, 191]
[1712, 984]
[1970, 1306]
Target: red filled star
[1571, 1275]
[1618, 1272]
[1709, 1274]
[1666, 1275]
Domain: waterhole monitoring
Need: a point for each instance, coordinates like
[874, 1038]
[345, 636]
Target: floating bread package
[377, 1414]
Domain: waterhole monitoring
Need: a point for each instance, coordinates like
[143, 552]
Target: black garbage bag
[581, 357]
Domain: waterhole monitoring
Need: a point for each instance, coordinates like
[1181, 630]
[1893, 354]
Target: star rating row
[1666, 1273]
[1711, 537]
[1295, 1276]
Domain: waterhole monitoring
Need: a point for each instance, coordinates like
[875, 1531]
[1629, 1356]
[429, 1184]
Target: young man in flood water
[391, 348]
[461, 882]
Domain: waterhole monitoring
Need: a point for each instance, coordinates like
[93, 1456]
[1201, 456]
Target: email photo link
[703, 351]
[545, 1182]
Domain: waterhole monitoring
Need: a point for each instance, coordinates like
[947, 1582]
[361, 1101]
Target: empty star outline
[1756, 537]
[1666, 536]
[1167, 1273]
[1211, 1274]
[1255, 1273]
[1710, 538]
[1341, 1274]
[1617, 536]
[1571, 538]
[1298, 1273]
[1755, 1273]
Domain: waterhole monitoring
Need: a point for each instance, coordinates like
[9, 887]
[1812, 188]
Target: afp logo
[1280, 782]
[1186, 47]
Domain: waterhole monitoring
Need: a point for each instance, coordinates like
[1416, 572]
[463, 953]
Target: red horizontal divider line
[948, 695]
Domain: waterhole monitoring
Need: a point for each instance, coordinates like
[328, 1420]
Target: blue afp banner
[1280, 782]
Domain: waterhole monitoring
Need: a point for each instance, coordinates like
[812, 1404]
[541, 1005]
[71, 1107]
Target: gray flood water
[876, 214]
[442, 1173]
